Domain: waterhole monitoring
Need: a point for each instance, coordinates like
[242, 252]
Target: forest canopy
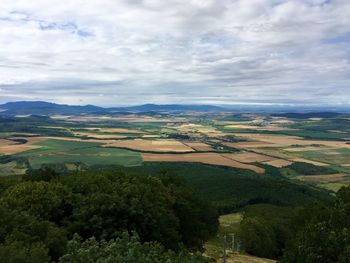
[101, 209]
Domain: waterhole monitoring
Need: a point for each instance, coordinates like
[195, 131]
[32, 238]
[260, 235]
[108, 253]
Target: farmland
[245, 141]
[247, 165]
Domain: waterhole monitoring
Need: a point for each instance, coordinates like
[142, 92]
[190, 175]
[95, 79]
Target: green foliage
[232, 189]
[323, 236]
[42, 174]
[258, 237]
[49, 201]
[125, 249]
[310, 169]
[265, 229]
[39, 215]
[19, 229]
[203, 222]
[108, 204]
[19, 252]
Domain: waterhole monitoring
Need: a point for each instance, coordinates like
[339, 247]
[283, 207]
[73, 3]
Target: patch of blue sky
[69, 27]
[344, 38]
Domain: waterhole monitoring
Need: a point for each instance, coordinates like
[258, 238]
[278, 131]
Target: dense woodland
[46, 217]
[317, 232]
[113, 215]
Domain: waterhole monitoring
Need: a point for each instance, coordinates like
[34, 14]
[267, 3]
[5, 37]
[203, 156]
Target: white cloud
[138, 51]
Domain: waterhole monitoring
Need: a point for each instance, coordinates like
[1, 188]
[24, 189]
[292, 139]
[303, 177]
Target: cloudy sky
[126, 52]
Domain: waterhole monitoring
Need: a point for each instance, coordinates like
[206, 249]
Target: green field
[335, 156]
[89, 153]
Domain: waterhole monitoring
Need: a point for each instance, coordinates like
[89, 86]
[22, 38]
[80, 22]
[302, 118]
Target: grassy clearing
[229, 225]
[333, 186]
[11, 168]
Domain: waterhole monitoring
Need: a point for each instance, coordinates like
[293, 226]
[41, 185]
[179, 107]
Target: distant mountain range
[47, 108]
[307, 115]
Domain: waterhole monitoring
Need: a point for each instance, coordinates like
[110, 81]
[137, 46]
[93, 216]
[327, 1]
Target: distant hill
[171, 107]
[307, 115]
[47, 108]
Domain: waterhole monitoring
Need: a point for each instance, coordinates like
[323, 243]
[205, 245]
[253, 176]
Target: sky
[222, 52]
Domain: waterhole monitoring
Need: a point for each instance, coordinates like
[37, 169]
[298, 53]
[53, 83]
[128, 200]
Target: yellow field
[278, 163]
[199, 146]
[115, 130]
[322, 178]
[207, 158]
[99, 136]
[241, 258]
[259, 128]
[308, 161]
[272, 140]
[152, 146]
[201, 129]
[249, 157]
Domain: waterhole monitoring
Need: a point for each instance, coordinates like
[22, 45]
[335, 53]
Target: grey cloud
[257, 51]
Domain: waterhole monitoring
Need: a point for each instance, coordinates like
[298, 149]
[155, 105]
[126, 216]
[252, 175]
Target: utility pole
[233, 242]
[224, 258]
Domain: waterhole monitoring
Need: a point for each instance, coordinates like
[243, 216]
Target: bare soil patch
[12, 147]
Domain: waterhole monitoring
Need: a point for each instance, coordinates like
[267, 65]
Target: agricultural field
[247, 141]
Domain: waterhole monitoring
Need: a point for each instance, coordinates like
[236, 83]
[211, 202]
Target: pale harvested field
[308, 161]
[153, 146]
[337, 131]
[281, 120]
[99, 136]
[240, 258]
[11, 147]
[278, 163]
[272, 140]
[277, 153]
[199, 146]
[150, 136]
[115, 130]
[322, 178]
[76, 139]
[305, 149]
[249, 157]
[242, 145]
[260, 128]
[206, 158]
[197, 128]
